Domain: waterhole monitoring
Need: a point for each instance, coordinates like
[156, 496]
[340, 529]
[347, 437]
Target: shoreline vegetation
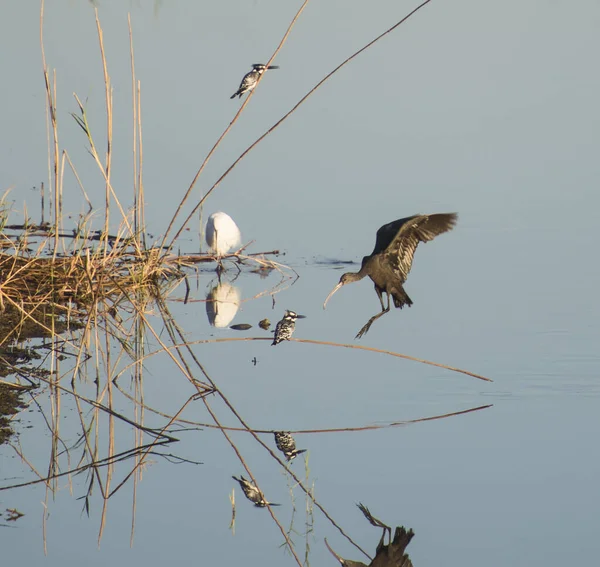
[84, 307]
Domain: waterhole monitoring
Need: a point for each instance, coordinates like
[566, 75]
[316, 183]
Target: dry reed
[110, 283]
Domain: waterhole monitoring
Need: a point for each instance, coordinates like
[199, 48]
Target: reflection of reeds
[109, 284]
[357, 347]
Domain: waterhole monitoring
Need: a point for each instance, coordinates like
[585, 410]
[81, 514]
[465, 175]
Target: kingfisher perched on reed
[252, 493]
[285, 327]
[250, 79]
[286, 444]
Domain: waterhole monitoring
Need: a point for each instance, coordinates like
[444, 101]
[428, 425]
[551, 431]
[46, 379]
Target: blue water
[468, 107]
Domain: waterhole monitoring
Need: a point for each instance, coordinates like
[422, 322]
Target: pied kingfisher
[286, 444]
[250, 79]
[252, 493]
[285, 327]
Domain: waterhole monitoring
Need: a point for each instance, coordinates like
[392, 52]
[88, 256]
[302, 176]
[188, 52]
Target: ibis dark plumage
[374, 521]
[390, 555]
[391, 260]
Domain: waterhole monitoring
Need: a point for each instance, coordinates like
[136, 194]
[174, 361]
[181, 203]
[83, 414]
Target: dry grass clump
[82, 279]
[53, 292]
[54, 279]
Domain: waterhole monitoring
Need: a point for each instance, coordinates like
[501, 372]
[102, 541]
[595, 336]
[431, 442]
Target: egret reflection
[222, 304]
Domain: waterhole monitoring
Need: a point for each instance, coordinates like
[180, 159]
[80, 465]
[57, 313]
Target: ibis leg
[380, 295]
[384, 309]
[368, 324]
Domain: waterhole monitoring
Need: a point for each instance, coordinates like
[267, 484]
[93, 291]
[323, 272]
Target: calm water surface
[468, 107]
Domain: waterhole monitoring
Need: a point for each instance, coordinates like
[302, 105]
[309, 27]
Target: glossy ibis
[374, 521]
[390, 555]
[285, 327]
[252, 493]
[390, 262]
[286, 444]
[250, 79]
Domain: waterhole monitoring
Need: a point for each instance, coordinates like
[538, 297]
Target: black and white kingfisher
[285, 327]
[286, 444]
[250, 79]
[252, 493]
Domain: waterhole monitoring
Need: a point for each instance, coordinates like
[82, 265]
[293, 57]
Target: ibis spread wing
[420, 228]
[387, 233]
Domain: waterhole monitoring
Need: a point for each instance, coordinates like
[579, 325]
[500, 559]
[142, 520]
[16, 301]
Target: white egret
[222, 234]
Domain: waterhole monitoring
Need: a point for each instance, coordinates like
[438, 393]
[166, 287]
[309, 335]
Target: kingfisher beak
[300, 316]
[338, 286]
[273, 67]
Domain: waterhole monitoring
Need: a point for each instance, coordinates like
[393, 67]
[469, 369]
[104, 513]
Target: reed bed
[82, 279]
[100, 301]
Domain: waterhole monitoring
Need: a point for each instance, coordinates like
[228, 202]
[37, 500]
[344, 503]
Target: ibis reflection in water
[285, 327]
[222, 304]
[222, 234]
[391, 260]
[251, 79]
[390, 555]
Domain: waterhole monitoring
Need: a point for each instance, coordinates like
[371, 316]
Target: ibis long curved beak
[338, 286]
[340, 559]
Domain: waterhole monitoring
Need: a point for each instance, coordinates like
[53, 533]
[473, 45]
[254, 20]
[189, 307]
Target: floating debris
[241, 327]
[264, 324]
[264, 270]
[12, 514]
